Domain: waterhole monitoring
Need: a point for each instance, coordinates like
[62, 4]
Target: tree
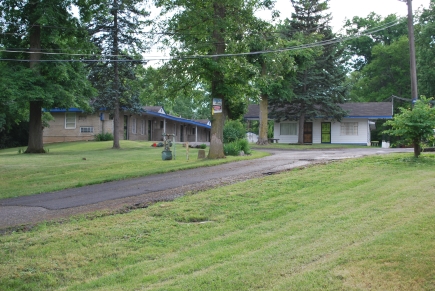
[212, 28]
[10, 111]
[414, 125]
[425, 51]
[271, 68]
[44, 32]
[359, 49]
[387, 74]
[115, 28]
[317, 86]
[380, 60]
[175, 93]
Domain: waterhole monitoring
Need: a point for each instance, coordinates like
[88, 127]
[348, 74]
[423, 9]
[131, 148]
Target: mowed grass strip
[363, 224]
[76, 164]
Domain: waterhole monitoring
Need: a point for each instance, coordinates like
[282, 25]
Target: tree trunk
[301, 128]
[35, 144]
[216, 150]
[116, 78]
[262, 136]
[116, 126]
[302, 116]
[417, 148]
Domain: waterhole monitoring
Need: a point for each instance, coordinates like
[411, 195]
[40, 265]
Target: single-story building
[353, 129]
[75, 125]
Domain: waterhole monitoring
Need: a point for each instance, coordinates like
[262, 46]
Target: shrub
[234, 148]
[203, 146]
[233, 130]
[104, 136]
[244, 146]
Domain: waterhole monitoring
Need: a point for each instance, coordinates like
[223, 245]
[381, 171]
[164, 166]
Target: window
[193, 130]
[288, 129]
[161, 124]
[349, 128]
[142, 127]
[86, 129]
[70, 120]
[133, 125]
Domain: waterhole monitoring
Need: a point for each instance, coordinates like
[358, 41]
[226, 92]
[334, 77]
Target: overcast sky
[342, 9]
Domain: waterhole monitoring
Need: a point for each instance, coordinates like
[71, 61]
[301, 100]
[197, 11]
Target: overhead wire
[367, 32]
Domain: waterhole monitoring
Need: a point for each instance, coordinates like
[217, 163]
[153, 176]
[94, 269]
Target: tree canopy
[41, 33]
[317, 86]
[220, 51]
[115, 28]
[212, 28]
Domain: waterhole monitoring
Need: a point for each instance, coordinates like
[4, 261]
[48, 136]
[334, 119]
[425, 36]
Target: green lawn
[363, 224]
[77, 164]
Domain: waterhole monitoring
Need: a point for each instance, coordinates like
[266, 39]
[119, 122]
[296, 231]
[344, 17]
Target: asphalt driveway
[142, 191]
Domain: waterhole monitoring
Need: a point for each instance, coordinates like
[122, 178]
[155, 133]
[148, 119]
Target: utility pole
[414, 91]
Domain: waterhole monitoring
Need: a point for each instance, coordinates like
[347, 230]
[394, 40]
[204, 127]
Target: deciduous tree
[39, 37]
[271, 68]
[359, 49]
[425, 51]
[414, 125]
[387, 74]
[213, 28]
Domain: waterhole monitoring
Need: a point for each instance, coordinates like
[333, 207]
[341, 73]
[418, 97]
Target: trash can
[166, 155]
[385, 144]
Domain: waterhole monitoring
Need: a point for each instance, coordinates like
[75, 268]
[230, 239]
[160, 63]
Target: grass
[76, 164]
[363, 224]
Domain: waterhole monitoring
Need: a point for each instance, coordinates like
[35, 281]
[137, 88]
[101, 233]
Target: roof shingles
[373, 110]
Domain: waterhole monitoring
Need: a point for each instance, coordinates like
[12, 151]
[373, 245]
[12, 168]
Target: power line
[188, 57]
[79, 60]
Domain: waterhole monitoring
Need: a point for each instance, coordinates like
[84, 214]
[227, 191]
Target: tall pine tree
[115, 27]
[317, 86]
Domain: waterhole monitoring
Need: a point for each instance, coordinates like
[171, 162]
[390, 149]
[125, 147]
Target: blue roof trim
[56, 110]
[161, 115]
[371, 117]
[361, 117]
[179, 119]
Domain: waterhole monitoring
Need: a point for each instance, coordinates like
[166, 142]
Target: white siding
[317, 132]
[284, 138]
[360, 138]
[363, 136]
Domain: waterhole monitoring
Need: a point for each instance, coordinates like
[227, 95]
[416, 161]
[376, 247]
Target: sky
[342, 9]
